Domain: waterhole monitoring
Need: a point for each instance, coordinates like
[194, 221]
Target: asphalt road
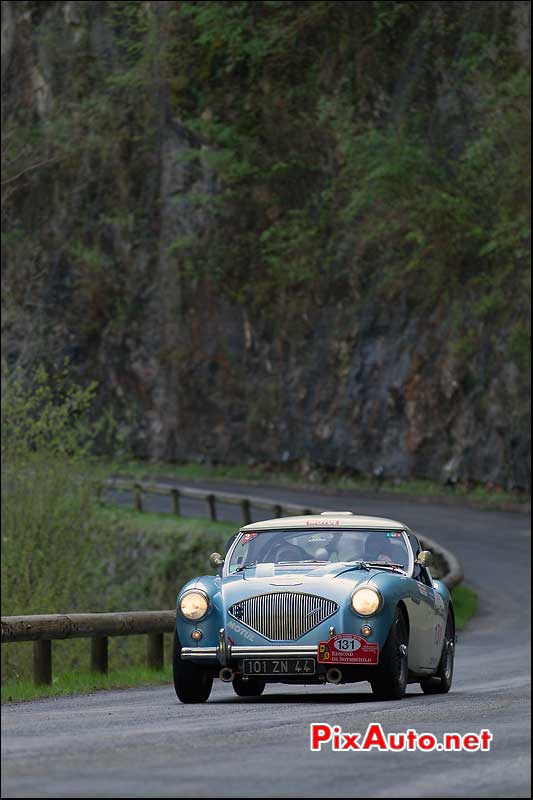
[142, 743]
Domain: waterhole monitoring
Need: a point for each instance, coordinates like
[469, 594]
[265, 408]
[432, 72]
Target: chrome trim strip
[199, 652]
[411, 566]
[292, 649]
[286, 651]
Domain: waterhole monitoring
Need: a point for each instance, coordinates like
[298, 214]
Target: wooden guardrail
[212, 499]
[452, 572]
[45, 628]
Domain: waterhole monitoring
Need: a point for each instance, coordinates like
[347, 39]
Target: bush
[47, 504]
[62, 551]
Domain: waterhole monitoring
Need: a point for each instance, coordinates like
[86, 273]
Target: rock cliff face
[191, 218]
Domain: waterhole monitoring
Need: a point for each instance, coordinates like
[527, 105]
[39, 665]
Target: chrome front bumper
[225, 654]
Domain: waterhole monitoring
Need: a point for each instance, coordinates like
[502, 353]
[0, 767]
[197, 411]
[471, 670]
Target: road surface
[142, 743]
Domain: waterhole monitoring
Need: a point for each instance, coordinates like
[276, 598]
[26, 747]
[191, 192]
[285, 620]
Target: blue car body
[259, 612]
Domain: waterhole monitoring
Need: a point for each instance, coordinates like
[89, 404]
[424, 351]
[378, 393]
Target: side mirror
[216, 560]
[424, 558]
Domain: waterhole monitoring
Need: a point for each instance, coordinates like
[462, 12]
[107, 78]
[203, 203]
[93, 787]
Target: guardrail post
[211, 501]
[176, 501]
[278, 511]
[138, 497]
[246, 513]
[99, 654]
[155, 647]
[42, 662]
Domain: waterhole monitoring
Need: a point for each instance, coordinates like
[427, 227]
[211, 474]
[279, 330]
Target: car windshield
[291, 547]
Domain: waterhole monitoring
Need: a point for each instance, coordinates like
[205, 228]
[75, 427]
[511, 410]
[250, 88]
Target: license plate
[280, 666]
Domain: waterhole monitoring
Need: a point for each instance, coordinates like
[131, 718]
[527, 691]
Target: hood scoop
[286, 582]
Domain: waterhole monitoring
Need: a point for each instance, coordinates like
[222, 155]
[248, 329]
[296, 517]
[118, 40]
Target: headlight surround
[194, 605]
[366, 601]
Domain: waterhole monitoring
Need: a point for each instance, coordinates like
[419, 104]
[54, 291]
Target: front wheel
[191, 682]
[441, 682]
[390, 682]
[250, 688]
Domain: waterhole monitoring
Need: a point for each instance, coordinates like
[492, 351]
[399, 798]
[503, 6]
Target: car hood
[309, 579]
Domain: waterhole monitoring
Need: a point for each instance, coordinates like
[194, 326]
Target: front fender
[211, 623]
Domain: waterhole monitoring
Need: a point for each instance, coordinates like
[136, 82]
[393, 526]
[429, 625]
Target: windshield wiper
[245, 566]
[382, 565]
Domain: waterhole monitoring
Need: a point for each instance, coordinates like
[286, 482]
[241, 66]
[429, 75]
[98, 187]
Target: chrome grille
[283, 615]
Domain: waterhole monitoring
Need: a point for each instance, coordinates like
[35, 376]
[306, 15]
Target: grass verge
[484, 497]
[78, 682]
[155, 522]
[465, 605]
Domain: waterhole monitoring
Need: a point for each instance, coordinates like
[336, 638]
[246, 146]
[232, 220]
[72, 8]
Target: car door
[421, 604]
[439, 625]
[421, 610]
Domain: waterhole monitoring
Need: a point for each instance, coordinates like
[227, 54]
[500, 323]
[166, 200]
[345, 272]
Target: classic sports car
[329, 598]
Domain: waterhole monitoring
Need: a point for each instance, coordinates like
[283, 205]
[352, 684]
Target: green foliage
[43, 415]
[465, 603]
[61, 552]
[328, 152]
[520, 346]
[47, 505]
[391, 187]
[388, 14]
[287, 97]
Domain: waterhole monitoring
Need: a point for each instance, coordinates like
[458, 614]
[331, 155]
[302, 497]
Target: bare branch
[33, 167]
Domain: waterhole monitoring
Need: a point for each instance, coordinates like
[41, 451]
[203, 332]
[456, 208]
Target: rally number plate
[278, 666]
[348, 648]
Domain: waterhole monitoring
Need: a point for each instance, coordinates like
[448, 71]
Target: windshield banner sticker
[347, 648]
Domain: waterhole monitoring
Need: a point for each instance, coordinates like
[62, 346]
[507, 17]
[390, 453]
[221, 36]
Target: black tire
[441, 682]
[250, 688]
[390, 682]
[192, 683]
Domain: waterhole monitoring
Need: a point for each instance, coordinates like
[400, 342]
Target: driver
[283, 550]
[378, 547]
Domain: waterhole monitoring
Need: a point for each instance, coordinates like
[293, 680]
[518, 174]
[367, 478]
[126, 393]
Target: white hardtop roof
[328, 519]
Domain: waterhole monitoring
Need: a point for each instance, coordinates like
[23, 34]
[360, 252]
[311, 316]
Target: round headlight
[366, 601]
[194, 604]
